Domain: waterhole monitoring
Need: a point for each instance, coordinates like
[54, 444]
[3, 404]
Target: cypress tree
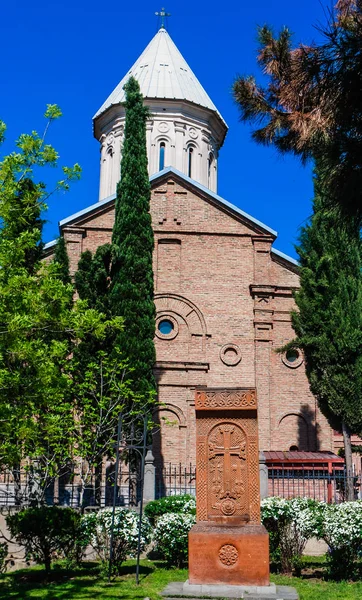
[133, 242]
[328, 322]
[61, 259]
[92, 278]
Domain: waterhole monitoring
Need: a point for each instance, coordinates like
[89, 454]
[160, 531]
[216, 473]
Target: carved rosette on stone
[227, 481]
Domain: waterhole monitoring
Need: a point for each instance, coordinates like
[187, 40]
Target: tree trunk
[348, 460]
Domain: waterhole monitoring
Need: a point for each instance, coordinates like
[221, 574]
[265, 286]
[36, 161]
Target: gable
[180, 204]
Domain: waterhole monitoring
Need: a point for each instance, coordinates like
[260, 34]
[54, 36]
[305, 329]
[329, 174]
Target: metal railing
[175, 479]
[311, 481]
[20, 488]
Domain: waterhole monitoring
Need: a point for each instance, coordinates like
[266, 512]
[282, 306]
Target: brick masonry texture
[216, 277]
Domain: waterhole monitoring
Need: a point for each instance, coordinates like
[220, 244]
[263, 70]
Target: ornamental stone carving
[228, 555]
[193, 133]
[228, 486]
[163, 127]
[221, 399]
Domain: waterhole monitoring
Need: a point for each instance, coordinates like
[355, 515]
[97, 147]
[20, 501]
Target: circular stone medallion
[228, 555]
[230, 355]
[228, 507]
[163, 127]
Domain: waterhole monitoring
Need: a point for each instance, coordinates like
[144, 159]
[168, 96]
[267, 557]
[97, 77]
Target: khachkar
[228, 545]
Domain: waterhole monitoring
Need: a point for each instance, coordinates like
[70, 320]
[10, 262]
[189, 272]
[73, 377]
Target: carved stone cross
[227, 451]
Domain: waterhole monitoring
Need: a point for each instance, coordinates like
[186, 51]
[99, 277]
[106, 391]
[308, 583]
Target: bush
[342, 531]
[96, 531]
[184, 504]
[3, 554]
[46, 532]
[171, 537]
[290, 524]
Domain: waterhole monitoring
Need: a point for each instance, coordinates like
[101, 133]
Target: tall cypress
[61, 259]
[133, 242]
[328, 322]
[92, 278]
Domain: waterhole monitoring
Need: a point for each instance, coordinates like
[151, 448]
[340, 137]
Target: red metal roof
[301, 457]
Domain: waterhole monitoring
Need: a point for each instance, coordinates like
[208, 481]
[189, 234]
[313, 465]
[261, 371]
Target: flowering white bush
[342, 531]
[171, 536]
[290, 524]
[96, 531]
[189, 506]
[183, 503]
[342, 525]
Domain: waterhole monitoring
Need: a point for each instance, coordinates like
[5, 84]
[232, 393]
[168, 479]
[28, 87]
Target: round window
[293, 358]
[165, 327]
[292, 355]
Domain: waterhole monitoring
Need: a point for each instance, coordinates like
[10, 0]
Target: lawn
[87, 584]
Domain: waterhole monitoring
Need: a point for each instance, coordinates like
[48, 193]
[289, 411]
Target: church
[223, 293]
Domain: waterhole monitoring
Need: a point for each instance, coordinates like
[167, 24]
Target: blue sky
[75, 53]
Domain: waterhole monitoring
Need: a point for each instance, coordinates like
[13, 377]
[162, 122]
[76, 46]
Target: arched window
[109, 171]
[162, 156]
[210, 165]
[189, 167]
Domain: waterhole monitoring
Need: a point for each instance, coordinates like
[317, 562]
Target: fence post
[263, 474]
[149, 483]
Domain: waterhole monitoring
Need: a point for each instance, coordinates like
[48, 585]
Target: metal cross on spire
[163, 16]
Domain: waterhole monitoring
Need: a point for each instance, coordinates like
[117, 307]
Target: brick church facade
[223, 294]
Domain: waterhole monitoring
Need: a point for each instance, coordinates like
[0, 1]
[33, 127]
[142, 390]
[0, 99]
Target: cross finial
[163, 16]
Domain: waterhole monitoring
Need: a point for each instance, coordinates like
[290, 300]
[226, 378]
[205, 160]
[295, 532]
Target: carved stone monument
[228, 545]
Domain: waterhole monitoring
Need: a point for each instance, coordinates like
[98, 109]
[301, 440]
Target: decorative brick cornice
[271, 291]
[225, 399]
[171, 365]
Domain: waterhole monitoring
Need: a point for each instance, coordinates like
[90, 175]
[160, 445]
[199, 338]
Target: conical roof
[163, 73]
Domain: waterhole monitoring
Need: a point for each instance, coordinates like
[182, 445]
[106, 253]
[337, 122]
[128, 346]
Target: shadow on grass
[65, 583]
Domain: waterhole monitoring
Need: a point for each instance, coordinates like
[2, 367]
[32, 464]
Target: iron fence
[20, 487]
[175, 479]
[311, 481]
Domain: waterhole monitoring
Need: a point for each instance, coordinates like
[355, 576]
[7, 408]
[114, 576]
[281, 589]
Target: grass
[86, 583]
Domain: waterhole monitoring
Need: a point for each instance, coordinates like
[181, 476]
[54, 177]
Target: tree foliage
[311, 104]
[328, 323]
[61, 259]
[39, 322]
[132, 247]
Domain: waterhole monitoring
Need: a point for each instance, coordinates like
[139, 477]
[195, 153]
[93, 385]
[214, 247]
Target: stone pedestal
[229, 555]
[228, 545]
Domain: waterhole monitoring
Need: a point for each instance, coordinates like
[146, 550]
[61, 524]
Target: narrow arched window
[210, 164]
[162, 156]
[189, 170]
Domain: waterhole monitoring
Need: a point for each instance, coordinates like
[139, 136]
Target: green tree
[131, 290]
[93, 278]
[61, 259]
[37, 321]
[328, 322]
[311, 104]
[102, 389]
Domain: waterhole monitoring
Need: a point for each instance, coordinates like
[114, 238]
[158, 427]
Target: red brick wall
[215, 275]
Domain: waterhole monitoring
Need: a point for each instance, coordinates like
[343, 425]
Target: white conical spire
[163, 73]
[184, 131]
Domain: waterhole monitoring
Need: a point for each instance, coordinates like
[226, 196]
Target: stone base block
[175, 591]
[228, 555]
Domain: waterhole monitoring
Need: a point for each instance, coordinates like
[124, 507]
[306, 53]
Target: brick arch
[184, 308]
[293, 430]
[176, 410]
[169, 440]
